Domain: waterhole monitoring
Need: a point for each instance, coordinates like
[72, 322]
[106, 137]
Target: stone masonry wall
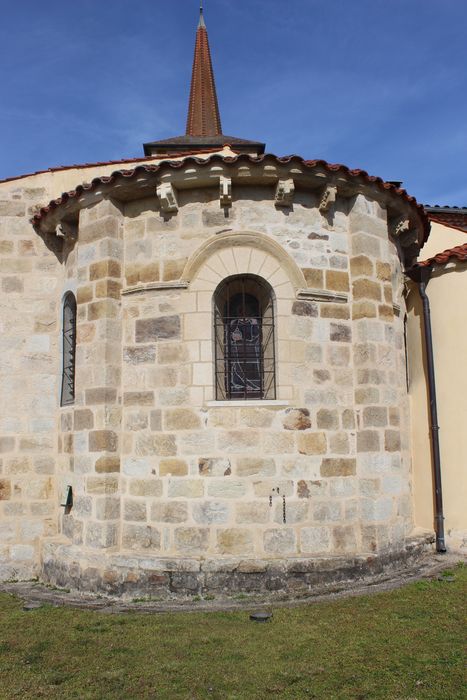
[30, 281]
[196, 477]
[158, 468]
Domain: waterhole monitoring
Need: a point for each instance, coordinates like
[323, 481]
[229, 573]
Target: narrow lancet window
[68, 350]
[244, 339]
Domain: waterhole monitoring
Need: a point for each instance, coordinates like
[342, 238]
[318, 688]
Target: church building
[213, 369]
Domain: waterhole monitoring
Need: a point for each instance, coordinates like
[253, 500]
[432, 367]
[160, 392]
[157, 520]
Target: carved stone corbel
[328, 197]
[225, 191]
[285, 192]
[66, 229]
[167, 197]
[399, 226]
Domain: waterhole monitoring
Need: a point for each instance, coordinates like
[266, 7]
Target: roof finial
[201, 15]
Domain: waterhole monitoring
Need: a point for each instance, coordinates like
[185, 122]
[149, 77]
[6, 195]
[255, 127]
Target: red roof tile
[83, 166]
[449, 255]
[311, 164]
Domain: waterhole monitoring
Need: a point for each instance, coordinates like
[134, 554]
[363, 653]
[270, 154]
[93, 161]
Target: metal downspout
[421, 275]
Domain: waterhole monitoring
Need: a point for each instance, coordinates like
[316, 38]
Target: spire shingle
[203, 109]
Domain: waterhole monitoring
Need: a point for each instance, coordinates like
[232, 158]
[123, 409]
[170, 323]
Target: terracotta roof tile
[457, 253]
[311, 164]
[124, 161]
[454, 217]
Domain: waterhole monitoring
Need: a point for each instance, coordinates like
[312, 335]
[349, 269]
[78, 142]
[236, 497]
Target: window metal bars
[69, 350]
[244, 340]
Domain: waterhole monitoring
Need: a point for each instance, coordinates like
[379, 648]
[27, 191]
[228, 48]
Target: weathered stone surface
[339, 443]
[337, 280]
[375, 416]
[340, 333]
[307, 489]
[12, 208]
[173, 269]
[136, 272]
[107, 508]
[186, 488]
[140, 537]
[255, 466]
[314, 539]
[7, 444]
[214, 466]
[12, 285]
[107, 464]
[139, 355]
[297, 419]
[156, 420]
[191, 540]
[102, 485]
[264, 489]
[383, 271]
[83, 419]
[105, 227]
[327, 511]
[134, 510]
[312, 443]
[176, 512]
[5, 490]
[105, 308]
[235, 541]
[104, 268]
[101, 535]
[138, 398]
[226, 488]
[136, 420]
[361, 266]
[256, 417]
[162, 328]
[103, 441]
[304, 308]
[340, 311]
[110, 289]
[344, 538]
[238, 441]
[363, 309]
[160, 444]
[252, 513]
[279, 541]
[211, 512]
[181, 419]
[338, 466]
[366, 289]
[99, 395]
[279, 443]
[173, 467]
[150, 488]
[392, 441]
[327, 419]
[170, 353]
[368, 441]
[314, 277]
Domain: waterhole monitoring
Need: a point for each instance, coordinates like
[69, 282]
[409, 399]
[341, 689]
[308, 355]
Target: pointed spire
[201, 22]
[203, 109]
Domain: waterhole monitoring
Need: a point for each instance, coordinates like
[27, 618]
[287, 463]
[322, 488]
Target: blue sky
[374, 84]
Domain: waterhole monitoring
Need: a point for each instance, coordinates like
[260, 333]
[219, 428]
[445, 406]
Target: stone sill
[245, 403]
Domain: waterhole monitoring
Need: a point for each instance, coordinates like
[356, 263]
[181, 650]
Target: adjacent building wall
[447, 291]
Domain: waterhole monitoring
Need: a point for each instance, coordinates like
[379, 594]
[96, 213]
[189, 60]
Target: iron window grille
[244, 339]
[69, 350]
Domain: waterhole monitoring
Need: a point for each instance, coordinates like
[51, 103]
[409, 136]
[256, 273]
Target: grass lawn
[402, 645]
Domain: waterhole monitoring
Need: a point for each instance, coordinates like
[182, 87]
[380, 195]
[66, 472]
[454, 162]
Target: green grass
[402, 645]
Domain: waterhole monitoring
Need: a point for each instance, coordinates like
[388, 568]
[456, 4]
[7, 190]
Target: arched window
[244, 339]
[68, 349]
